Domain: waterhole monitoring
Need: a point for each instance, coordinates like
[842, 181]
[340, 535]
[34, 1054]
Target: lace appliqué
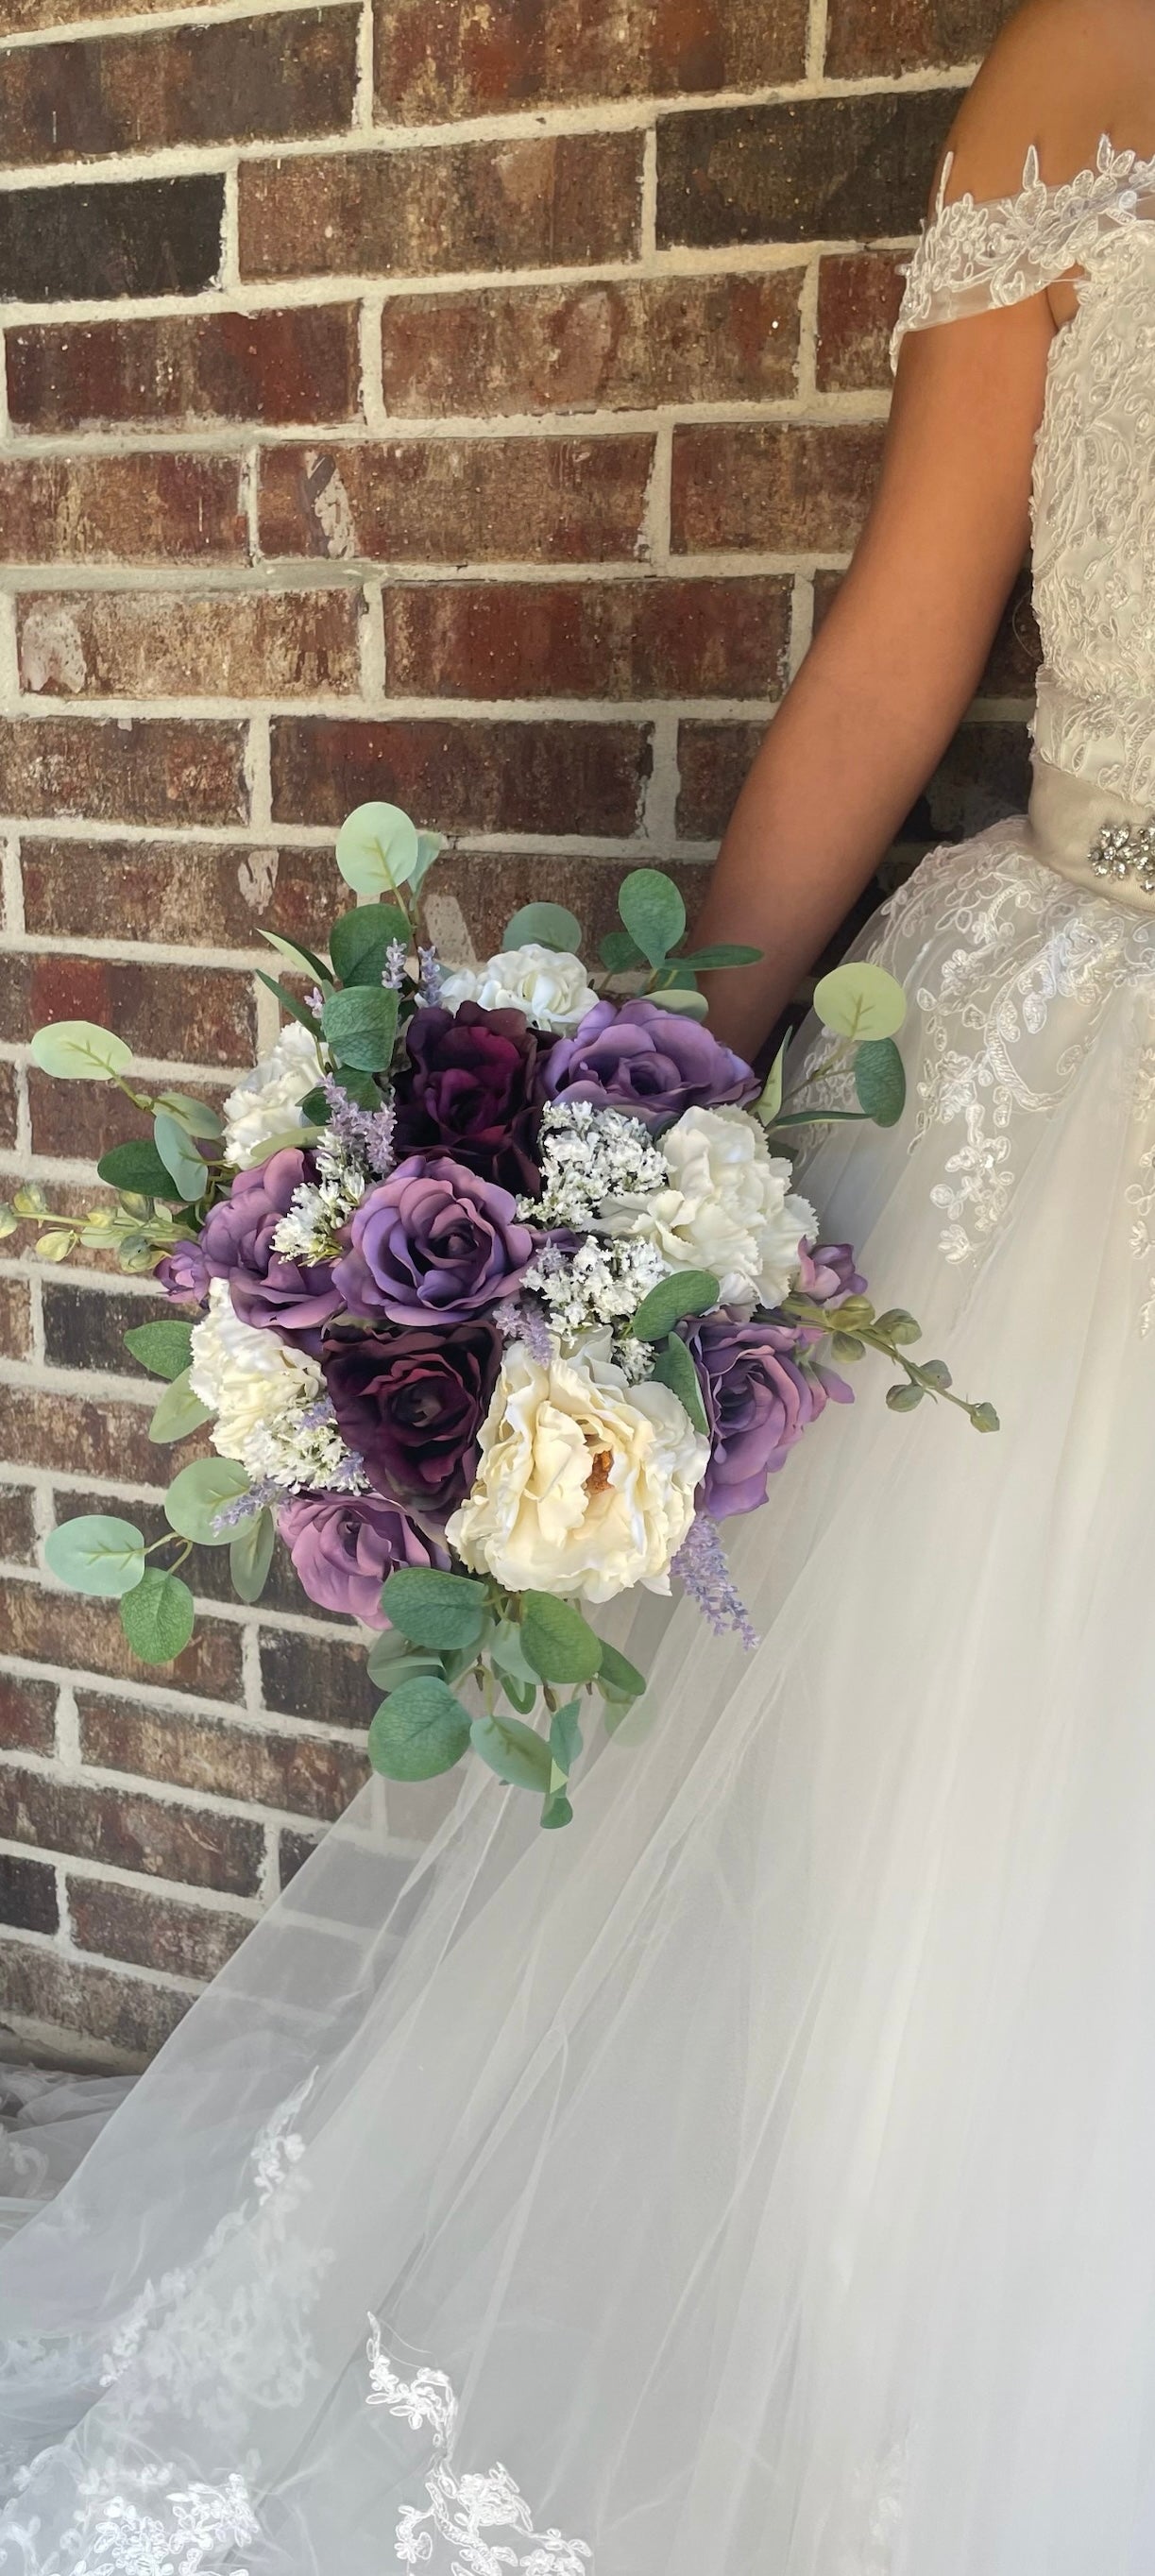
[185, 2533]
[463, 2505]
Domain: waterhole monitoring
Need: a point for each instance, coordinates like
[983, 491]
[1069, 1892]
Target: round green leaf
[559, 1644]
[860, 1000]
[178, 1412]
[685, 1292]
[419, 1731]
[360, 1024]
[163, 1347]
[674, 1368]
[547, 924]
[513, 1750]
[251, 1555]
[136, 1167]
[378, 849]
[620, 953]
[433, 1609]
[880, 1081]
[158, 1617]
[565, 1737]
[618, 1675]
[681, 998]
[179, 1155]
[57, 1243]
[96, 1553]
[653, 912]
[937, 1372]
[557, 1810]
[199, 1492]
[360, 941]
[79, 1051]
[196, 1115]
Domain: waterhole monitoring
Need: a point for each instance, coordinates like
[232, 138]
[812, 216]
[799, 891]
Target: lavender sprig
[701, 1565]
[430, 983]
[368, 1133]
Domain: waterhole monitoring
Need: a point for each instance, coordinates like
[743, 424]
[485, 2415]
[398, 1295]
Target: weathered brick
[8, 1100]
[228, 644]
[609, 344]
[308, 1775]
[27, 1714]
[17, 1540]
[61, 1628]
[773, 485]
[293, 1850]
[15, 1319]
[228, 83]
[23, 17]
[526, 203]
[713, 760]
[170, 1012]
[151, 1930]
[28, 1894]
[79, 1435]
[469, 775]
[141, 237]
[859, 294]
[123, 771]
[301, 1675]
[415, 1808]
[70, 1121]
[176, 892]
[470, 500]
[831, 169]
[85, 1327]
[437, 60]
[627, 639]
[206, 1570]
[880, 36]
[162, 509]
[186, 368]
[193, 1845]
[473, 893]
[130, 2017]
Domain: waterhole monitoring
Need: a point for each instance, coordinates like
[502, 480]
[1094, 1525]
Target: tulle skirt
[758, 2177]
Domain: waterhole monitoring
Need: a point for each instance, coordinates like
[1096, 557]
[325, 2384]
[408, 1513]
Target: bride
[759, 2179]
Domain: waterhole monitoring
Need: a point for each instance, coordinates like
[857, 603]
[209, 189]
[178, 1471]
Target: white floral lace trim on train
[463, 2505]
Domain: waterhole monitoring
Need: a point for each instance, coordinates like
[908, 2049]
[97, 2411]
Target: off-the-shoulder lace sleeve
[973, 256]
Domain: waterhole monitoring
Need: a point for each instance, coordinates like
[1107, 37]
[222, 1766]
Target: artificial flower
[758, 1401]
[653, 1063]
[547, 984]
[471, 1084]
[266, 1106]
[432, 1244]
[238, 1240]
[728, 1207]
[412, 1405]
[344, 1545]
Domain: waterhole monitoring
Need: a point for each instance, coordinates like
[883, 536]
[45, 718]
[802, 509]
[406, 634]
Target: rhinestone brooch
[1125, 850]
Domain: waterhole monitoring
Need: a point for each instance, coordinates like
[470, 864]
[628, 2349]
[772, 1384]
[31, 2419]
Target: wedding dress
[758, 2178]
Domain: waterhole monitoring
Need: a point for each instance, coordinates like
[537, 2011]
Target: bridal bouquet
[500, 1303]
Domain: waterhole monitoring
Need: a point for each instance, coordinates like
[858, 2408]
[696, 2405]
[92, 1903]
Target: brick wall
[471, 406]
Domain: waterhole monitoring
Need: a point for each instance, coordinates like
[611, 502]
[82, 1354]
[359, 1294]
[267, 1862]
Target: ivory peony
[546, 983]
[266, 1107]
[728, 1208]
[586, 1483]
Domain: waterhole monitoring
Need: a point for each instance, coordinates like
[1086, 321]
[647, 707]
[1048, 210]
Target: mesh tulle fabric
[765, 2162]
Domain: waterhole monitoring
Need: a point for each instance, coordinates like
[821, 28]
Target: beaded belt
[1092, 837]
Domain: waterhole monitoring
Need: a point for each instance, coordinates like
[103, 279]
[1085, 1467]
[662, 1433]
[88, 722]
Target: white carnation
[272, 1414]
[266, 1106]
[728, 1208]
[586, 1484]
[546, 983]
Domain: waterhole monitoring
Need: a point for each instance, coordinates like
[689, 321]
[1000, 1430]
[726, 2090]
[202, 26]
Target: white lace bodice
[1093, 490]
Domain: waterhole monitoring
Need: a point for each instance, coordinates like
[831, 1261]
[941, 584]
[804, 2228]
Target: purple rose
[412, 1404]
[183, 1275]
[827, 1273]
[432, 1244]
[649, 1062]
[758, 1402]
[293, 1298]
[344, 1545]
[473, 1087]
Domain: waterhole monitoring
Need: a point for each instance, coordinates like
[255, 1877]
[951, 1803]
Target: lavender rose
[758, 1402]
[293, 1298]
[412, 1404]
[473, 1087]
[183, 1275]
[344, 1545]
[432, 1244]
[826, 1273]
[649, 1062]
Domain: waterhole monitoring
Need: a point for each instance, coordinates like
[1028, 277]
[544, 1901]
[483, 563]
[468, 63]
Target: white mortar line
[12, 886]
[286, 576]
[363, 100]
[228, 276]
[167, 1980]
[127, 1783]
[648, 242]
[226, 439]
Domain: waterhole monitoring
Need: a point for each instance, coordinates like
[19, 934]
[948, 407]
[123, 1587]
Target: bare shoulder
[1060, 74]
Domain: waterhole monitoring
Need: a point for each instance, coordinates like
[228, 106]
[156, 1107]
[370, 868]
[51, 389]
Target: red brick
[8, 1098]
[71, 1120]
[713, 760]
[307, 1774]
[606, 344]
[28, 1894]
[162, 509]
[529, 202]
[116, 770]
[854, 168]
[170, 1012]
[17, 1536]
[859, 294]
[473, 893]
[248, 77]
[302, 1674]
[27, 1715]
[128, 2017]
[626, 639]
[84, 1328]
[437, 60]
[772, 485]
[873, 37]
[151, 1930]
[60, 1628]
[15, 1319]
[476, 775]
[453, 501]
[23, 17]
[159, 644]
[80, 1435]
[130, 1831]
[186, 368]
[174, 892]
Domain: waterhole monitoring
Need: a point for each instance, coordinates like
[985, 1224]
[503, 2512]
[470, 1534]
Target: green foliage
[251, 1555]
[512, 1749]
[685, 1292]
[136, 1166]
[653, 912]
[96, 1553]
[769, 1100]
[378, 849]
[898, 1327]
[434, 1609]
[179, 1156]
[80, 1051]
[299, 957]
[903, 1399]
[684, 998]
[419, 1731]
[199, 1492]
[860, 1000]
[984, 1417]
[547, 924]
[290, 1002]
[196, 1115]
[620, 953]
[880, 1081]
[565, 1737]
[178, 1412]
[360, 941]
[163, 1347]
[559, 1644]
[617, 1677]
[706, 961]
[360, 1024]
[674, 1368]
[158, 1617]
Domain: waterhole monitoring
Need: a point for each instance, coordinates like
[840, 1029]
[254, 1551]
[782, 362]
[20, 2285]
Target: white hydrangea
[727, 1207]
[266, 1105]
[588, 1155]
[272, 1412]
[548, 984]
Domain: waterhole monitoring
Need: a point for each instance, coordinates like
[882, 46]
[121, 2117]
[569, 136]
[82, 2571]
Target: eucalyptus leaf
[79, 1051]
[434, 1609]
[199, 1492]
[618, 1675]
[360, 941]
[299, 957]
[251, 1555]
[419, 1731]
[158, 1617]
[163, 1347]
[880, 1081]
[96, 1553]
[565, 1737]
[507, 1653]
[619, 952]
[429, 848]
[559, 1644]
[392, 1659]
[769, 1100]
[188, 1169]
[512, 1749]
[137, 1167]
[521, 1695]
[674, 1368]
[706, 961]
[846, 1346]
[378, 849]
[360, 1024]
[289, 1002]
[548, 925]
[557, 1810]
[178, 1412]
[689, 1004]
[685, 1292]
[196, 1115]
[860, 1000]
[653, 912]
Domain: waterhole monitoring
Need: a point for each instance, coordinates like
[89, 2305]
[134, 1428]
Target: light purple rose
[433, 1244]
[344, 1545]
[293, 1298]
[826, 1273]
[651, 1063]
[183, 1275]
[758, 1402]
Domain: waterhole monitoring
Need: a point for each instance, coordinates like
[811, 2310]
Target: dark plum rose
[758, 1402]
[184, 1274]
[826, 1273]
[649, 1062]
[473, 1087]
[293, 1298]
[412, 1404]
[432, 1244]
[344, 1545]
